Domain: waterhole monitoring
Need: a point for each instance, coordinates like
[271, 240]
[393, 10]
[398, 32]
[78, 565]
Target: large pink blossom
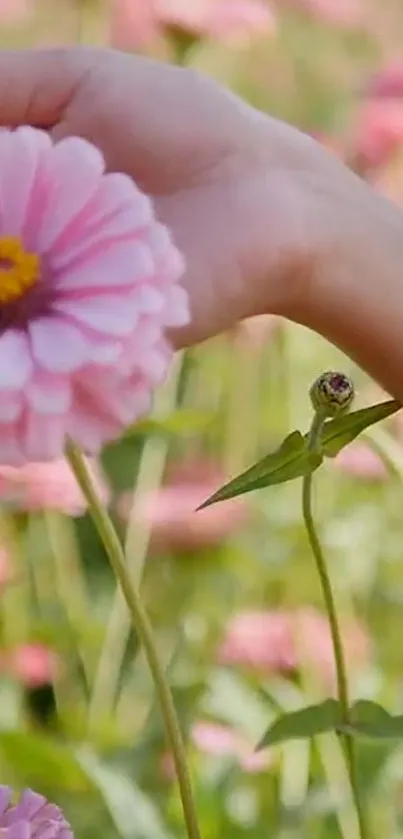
[88, 284]
[48, 486]
[283, 641]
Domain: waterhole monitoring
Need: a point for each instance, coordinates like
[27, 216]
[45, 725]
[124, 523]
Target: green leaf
[339, 432]
[37, 760]
[180, 423]
[371, 721]
[308, 722]
[291, 460]
[133, 813]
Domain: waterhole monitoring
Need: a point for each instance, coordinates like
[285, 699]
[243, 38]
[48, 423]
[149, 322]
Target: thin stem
[341, 671]
[142, 625]
[138, 534]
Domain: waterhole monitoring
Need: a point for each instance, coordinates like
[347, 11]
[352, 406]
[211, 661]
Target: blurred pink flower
[51, 486]
[345, 13]
[283, 641]
[378, 134]
[221, 741]
[88, 284]
[387, 83]
[360, 461]
[135, 23]
[33, 665]
[224, 20]
[171, 511]
[217, 740]
[15, 11]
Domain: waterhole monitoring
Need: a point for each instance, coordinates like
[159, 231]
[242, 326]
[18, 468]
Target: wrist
[355, 298]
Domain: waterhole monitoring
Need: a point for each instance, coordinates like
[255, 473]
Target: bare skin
[267, 219]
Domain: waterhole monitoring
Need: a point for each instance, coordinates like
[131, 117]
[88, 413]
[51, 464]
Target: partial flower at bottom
[88, 285]
[33, 817]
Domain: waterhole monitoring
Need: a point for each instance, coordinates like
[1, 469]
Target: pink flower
[171, 511]
[33, 817]
[216, 740]
[224, 20]
[388, 82]
[378, 134]
[136, 23]
[281, 641]
[15, 11]
[88, 286]
[345, 13]
[221, 741]
[133, 23]
[33, 665]
[360, 461]
[51, 486]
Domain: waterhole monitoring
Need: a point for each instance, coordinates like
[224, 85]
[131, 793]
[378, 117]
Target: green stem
[142, 625]
[341, 671]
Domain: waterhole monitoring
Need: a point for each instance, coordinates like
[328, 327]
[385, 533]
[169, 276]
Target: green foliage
[308, 722]
[293, 460]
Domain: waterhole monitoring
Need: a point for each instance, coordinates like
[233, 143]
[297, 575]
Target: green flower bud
[332, 394]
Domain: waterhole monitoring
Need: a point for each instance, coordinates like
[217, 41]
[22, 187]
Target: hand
[268, 220]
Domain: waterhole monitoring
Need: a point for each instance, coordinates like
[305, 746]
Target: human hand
[267, 219]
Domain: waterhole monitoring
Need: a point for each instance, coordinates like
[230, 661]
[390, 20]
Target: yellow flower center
[19, 270]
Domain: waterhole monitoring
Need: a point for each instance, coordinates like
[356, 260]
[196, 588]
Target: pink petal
[15, 360]
[20, 153]
[19, 830]
[117, 210]
[149, 300]
[58, 346]
[49, 394]
[119, 264]
[44, 437]
[10, 407]
[176, 312]
[104, 312]
[10, 451]
[74, 169]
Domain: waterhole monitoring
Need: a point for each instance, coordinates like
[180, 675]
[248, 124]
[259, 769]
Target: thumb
[36, 86]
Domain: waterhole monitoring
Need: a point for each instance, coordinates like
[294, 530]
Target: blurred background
[232, 591]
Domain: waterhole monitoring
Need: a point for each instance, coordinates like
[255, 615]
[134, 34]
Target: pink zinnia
[33, 665]
[225, 20]
[33, 817]
[282, 641]
[48, 486]
[88, 284]
[171, 513]
[15, 11]
[359, 461]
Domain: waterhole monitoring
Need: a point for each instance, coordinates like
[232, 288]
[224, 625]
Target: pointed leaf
[371, 721]
[339, 432]
[308, 722]
[291, 460]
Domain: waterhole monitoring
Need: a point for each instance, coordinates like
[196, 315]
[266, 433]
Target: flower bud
[332, 394]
